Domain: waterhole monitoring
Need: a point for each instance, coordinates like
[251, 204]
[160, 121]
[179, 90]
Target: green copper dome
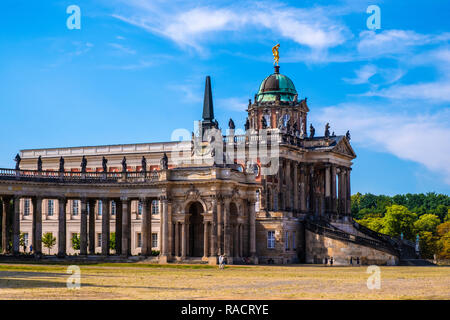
[276, 84]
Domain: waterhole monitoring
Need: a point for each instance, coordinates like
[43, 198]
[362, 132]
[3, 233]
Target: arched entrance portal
[196, 230]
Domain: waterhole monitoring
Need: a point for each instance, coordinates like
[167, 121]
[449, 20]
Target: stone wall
[319, 248]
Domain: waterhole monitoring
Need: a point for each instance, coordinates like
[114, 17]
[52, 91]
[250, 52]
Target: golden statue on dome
[276, 57]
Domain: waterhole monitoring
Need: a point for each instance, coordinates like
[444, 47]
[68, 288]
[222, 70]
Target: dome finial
[276, 56]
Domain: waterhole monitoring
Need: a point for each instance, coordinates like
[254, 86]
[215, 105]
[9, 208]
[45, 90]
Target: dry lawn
[150, 281]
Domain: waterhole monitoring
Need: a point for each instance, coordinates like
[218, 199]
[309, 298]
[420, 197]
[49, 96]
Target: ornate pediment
[344, 147]
[192, 193]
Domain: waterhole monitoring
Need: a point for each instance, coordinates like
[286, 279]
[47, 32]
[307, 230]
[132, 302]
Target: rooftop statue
[17, 159]
[231, 124]
[347, 135]
[61, 164]
[144, 164]
[83, 164]
[124, 164]
[312, 131]
[276, 56]
[39, 164]
[104, 163]
[164, 162]
[327, 130]
[263, 123]
[247, 124]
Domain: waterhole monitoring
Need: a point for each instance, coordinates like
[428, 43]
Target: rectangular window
[286, 241]
[155, 207]
[26, 207]
[271, 239]
[154, 240]
[25, 237]
[113, 208]
[140, 208]
[51, 207]
[275, 201]
[99, 239]
[75, 207]
[139, 240]
[100, 207]
[258, 201]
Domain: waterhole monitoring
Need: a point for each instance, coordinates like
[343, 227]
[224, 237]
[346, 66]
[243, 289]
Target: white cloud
[122, 49]
[392, 42]
[436, 92]
[233, 103]
[190, 26]
[422, 138]
[362, 75]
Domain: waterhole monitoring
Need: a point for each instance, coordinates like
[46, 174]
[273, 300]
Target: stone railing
[82, 177]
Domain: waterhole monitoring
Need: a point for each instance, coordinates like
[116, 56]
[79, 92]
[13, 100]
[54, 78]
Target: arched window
[286, 118]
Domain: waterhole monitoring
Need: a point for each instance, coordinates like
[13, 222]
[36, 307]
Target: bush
[155, 253]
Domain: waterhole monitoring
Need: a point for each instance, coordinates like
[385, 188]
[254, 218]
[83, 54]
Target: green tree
[22, 242]
[48, 240]
[75, 241]
[427, 222]
[375, 223]
[399, 219]
[441, 211]
[428, 243]
[112, 241]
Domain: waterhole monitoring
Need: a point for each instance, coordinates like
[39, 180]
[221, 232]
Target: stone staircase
[416, 262]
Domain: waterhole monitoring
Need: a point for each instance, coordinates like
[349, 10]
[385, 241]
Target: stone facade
[177, 198]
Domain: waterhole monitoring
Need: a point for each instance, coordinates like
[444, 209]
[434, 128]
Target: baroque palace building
[274, 195]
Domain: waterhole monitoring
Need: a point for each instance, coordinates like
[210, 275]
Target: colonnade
[311, 188]
[87, 225]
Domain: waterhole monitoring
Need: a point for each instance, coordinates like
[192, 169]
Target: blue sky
[135, 71]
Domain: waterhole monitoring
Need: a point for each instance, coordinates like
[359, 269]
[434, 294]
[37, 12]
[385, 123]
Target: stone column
[327, 188]
[205, 239]
[5, 224]
[105, 226]
[37, 226]
[340, 192]
[146, 235]
[302, 189]
[62, 231]
[183, 240]
[312, 206]
[252, 222]
[287, 198]
[295, 186]
[236, 240]
[126, 222]
[16, 226]
[220, 227]
[333, 190]
[164, 229]
[118, 226]
[83, 227]
[241, 240]
[227, 231]
[92, 226]
[177, 239]
[214, 228]
[349, 199]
